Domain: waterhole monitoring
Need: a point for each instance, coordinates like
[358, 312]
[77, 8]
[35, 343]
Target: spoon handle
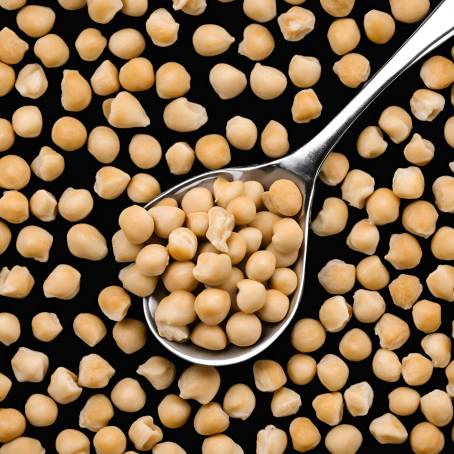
[436, 29]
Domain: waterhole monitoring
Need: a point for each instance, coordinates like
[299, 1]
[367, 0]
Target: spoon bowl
[302, 167]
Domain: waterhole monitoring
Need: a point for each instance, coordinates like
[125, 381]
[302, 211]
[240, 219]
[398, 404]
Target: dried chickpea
[396, 122]
[200, 383]
[352, 69]
[27, 122]
[173, 411]
[210, 419]
[43, 205]
[408, 183]
[29, 365]
[137, 74]
[379, 26]
[109, 440]
[239, 401]
[296, 23]
[75, 204]
[162, 28]
[332, 218]
[386, 365]
[405, 290]
[427, 316]
[10, 328]
[404, 251]
[329, 408]
[275, 308]
[12, 424]
[283, 198]
[152, 260]
[260, 11]
[441, 282]
[337, 8]
[144, 433]
[14, 207]
[304, 71]
[274, 140]
[96, 413]
[14, 172]
[125, 111]
[355, 345]
[332, 372]
[104, 144]
[227, 81]
[387, 429]
[419, 151]
[129, 335]
[12, 47]
[166, 447]
[409, 12]
[257, 43]
[334, 169]
[243, 330]
[343, 35]
[102, 11]
[285, 402]
[442, 190]
[86, 242]
[8, 78]
[7, 136]
[128, 396]
[94, 372]
[123, 249]
[191, 7]
[383, 206]
[63, 387]
[392, 331]
[438, 347]
[337, 277]
[306, 106]
[90, 44]
[335, 313]
[370, 143]
[420, 218]
[71, 5]
[75, 91]
[5, 237]
[16, 283]
[63, 283]
[209, 337]
[89, 328]
[104, 80]
[210, 40]
[357, 187]
[301, 369]
[69, 133]
[180, 158]
[416, 369]
[179, 276]
[426, 104]
[449, 131]
[271, 440]
[51, 50]
[11, 5]
[135, 282]
[46, 326]
[159, 371]
[364, 237]
[23, 444]
[217, 444]
[5, 386]
[241, 132]
[127, 43]
[426, 438]
[403, 401]
[359, 398]
[344, 438]
[71, 441]
[437, 72]
[31, 81]
[304, 434]
[40, 410]
[182, 115]
[48, 165]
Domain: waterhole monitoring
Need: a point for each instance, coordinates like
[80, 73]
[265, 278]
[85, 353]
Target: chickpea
[23, 444]
[177, 309]
[7, 136]
[75, 204]
[27, 122]
[48, 165]
[343, 438]
[404, 251]
[212, 269]
[260, 11]
[419, 151]
[16, 283]
[332, 372]
[337, 277]
[359, 398]
[220, 444]
[173, 411]
[144, 433]
[364, 237]
[51, 50]
[11, 5]
[69, 133]
[426, 104]
[420, 218]
[254, 190]
[159, 371]
[287, 235]
[109, 440]
[284, 280]
[125, 111]
[14, 207]
[239, 401]
[34, 242]
[271, 440]
[89, 328]
[441, 282]
[182, 115]
[167, 447]
[337, 8]
[379, 26]
[96, 413]
[416, 369]
[405, 290]
[12, 47]
[8, 78]
[227, 81]
[137, 224]
[352, 69]
[31, 81]
[396, 122]
[103, 144]
[357, 187]
[135, 282]
[180, 158]
[296, 23]
[306, 106]
[46, 326]
[301, 369]
[332, 218]
[403, 401]
[41, 410]
[127, 43]
[128, 396]
[200, 383]
[63, 387]
[438, 347]
[29, 365]
[441, 245]
[162, 28]
[343, 35]
[129, 335]
[425, 438]
[104, 80]
[383, 206]
[274, 140]
[334, 169]
[143, 188]
[209, 337]
[137, 74]
[370, 143]
[241, 132]
[335, 313]
[304, 71]
[210, 40]
[387, 429]
[408, 183]
[243, 329]
[304, 434]
[90, 44]
[5, 386]
[386, 365]
[63, 283]
[210, 419]
[437, 72]
[285, 402]
[94, 372]
[87, 242]
[442, 190]
[76, 91]
[392, 331]
[12, 425]
[5, 237]
[449, 130]
[71, 441]
[257, 43]
[283, 198]
[225, 191]
[103, 12]
[179, 276]
[275, 308]
[123, 249]
[268, 375]
[329, 408]
[427, 316]
[42, 205]
[10, 328]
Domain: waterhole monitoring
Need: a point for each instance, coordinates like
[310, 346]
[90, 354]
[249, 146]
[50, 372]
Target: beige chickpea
[90, 44]
[159, 371]
[387, 429]
[251, 295]
[182, 115]
[268, 375]
[395, 122]
[126, 111]
[103, 144]
[383, 206]
[46, 326]
[239, 401]
[409, 12]
[416, 369]
[196, 200]
[145, 151]
[230, 285]
[41, 410]
[210, 337]
[29, 365]
[12, 47]
[5, 386]
[405, 290]
[182, 245]
[260, 266]
[162, 28]
[14, 172]
[332, 218]
[72, 5]
[212, 269]
[221, 224]
[403, 401]
[392, 331]
[210, 419]
[267, 82]
[89, 328]
[75, 91]
[96, 413]
[43, 205]
[8, 78]
[227, 81]
[129, 335]
[306, 106]
[370, 143]
[31, 81]
[426, 316]
[51, 50]
[143, 188]
[144, 433]
[386, 365]
[104, 80]
[301, 369]
[172, 80]
[62, 283]
[128, 396]
[284, 280]
[23, 444]
[27, 122]
[94, 372]
[102, 11]
[63, 387]
[220, 444]
[438, 347]
[335, 313]
[137, 224]
[364, 237]
[441, 282]
[275, 308]
[379, 26]
[442, 190]
[11, 5]
[260, 11]
[254, 190]
[180, 158]
[137, 74]
[263, 222]
[437, 72]
[69, 133]
[359, 398]
[243, 329]
[426, 104]
[441, 244]
[109, 440]
[135, 282]
[420, 218]
[449, 130]
[344, 438]
[274, 140]
[296, 23]
[86, 242]
[304, 434]
[75, 204]
[425, 438]
[211, 39]
[14, 207]
[152, 260]
[241, 132]
[176, 309]
[271, 440]
[71, 441]
[173, 411]
[343, 35]
[123, 249]
[337, 8]
[10, 328]
[224, 190]
[329, 408]
[12, 424]
[332, 372]
[243, 210]
[198, 223]
[352, 69]
[308, 335]
[48, 165]
[408, 183]
[126, 43]
[419, 151]
[355, 345]
[257, 43]
[7, 135]
[16, 282]
[334, 169]
[191, 7]
[179, 276]
[304, 71]
[337, 277]
[285, 402]
[5, 237]
[357, 187]
[167, 447]
[283, 198]
[200, 383]
[404, 251]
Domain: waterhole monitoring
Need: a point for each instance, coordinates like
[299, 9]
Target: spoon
[303, 167]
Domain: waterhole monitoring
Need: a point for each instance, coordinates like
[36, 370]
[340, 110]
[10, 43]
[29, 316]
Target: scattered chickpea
[355, 345]
[419, 151]
[343, 438]
[387, 429]
[338, 8]
[403, 401]
[41, 410]
[379, 26]
[359, 398]
[405, 290]
[437, 72]
[426, 104]
[12, 424]
[46, 326]
[441, 282]
[210, 40]
[386, 365]
[159, 371]
[144, 433]
[162, 28]
[182, 115]
[5, 386]
[89, 328]
[438, 347]
[109, 440]
[110, 182]
[31, 81]
[227, 81]
[257, 43]
[260, 11]
[332, 218]
[357, 186]
[271, 439]
[90, 44]
[304, 434]
[335, 313]
[220, 443]
[343, 35]
[29, 365]
[416, 369]
[128, 396]
[449, 131]
[426, 316]
[27, 122]
[23, 444]
[63, 283]
[370, 143]
[126, 111]
[425, 437]
[329, 408]
[51, 50]
[12, 47]
[105, 80]
[352, 69]
[306, 106]
[96, 413]
[43, 205]
[442, 190]
[7, 135]
[16, 282]
[332, 372]
[200, 383]
[126, 43]
[10, 328]
[337, 277]
[173, 411]
[213, 151]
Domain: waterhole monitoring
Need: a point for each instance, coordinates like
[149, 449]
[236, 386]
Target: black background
[80, 171]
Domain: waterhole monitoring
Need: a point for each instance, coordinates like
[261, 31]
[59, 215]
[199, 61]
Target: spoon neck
[436, 29]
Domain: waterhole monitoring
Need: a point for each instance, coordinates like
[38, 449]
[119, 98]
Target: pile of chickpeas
[239, 231]
[223, 258]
